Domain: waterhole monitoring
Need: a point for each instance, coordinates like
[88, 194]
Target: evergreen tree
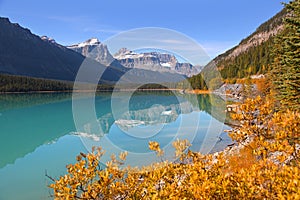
[286, 65]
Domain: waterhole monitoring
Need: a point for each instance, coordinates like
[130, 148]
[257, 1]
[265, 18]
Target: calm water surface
[38, 133]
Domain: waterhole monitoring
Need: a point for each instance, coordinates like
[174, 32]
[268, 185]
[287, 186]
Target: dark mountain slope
[23, 53]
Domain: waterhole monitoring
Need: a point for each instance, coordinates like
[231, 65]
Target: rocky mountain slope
[94, 49]
[261, 35]
[252, 57]
[253, 54]
[155, 61]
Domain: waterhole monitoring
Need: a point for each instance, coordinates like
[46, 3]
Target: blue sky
[216, 24]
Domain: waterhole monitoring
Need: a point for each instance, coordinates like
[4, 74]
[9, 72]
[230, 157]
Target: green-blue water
[38, 133]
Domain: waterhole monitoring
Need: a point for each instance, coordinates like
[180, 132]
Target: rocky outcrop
[255, 40]
[187, 68]
[235, 92]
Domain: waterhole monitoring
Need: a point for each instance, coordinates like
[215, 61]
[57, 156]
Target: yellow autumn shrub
[265, 165]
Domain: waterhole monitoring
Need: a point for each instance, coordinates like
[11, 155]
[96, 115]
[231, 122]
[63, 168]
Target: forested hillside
[256, 60]
[252, 56]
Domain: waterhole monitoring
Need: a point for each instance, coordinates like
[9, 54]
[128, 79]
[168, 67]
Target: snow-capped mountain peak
[89, 42]
[93, 48]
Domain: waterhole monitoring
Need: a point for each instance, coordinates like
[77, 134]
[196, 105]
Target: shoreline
[118, 90]
[199, 91]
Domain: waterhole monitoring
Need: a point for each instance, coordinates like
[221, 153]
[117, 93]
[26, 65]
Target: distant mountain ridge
[25, 54]
[153, 61]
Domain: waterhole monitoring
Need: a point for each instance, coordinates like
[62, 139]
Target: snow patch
[166, 65]
[49, 39]
[90, 42]
[132, 55]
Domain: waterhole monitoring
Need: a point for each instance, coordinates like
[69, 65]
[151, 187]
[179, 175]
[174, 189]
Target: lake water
[42, 133]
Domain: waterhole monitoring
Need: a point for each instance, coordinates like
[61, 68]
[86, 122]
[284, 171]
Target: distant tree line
[10, 83]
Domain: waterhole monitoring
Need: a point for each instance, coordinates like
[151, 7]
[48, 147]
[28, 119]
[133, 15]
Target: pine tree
[286, 65]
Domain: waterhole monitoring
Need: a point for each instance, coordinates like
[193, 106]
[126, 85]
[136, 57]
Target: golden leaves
[205, 178]
[180, 146]
[154, 146]
[123, 155]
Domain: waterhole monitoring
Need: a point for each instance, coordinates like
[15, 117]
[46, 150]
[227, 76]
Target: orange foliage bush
[267, 167]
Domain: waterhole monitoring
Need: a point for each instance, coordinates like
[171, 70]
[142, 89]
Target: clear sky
[216, 24]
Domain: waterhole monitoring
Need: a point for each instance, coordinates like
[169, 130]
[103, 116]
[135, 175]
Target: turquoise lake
[42, 133]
